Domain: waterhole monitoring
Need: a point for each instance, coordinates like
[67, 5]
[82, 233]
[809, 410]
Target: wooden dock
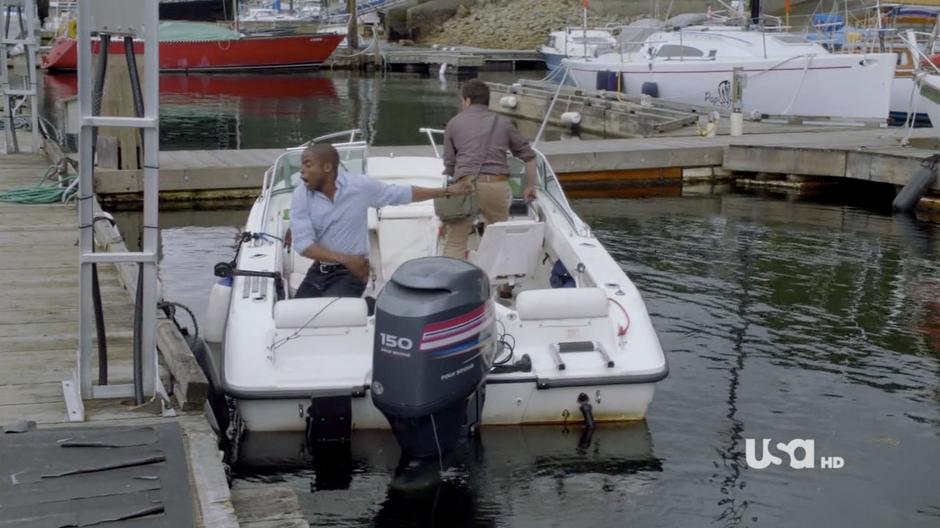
[458, 59]
[590, 167]
[613, 115]
[39, 336]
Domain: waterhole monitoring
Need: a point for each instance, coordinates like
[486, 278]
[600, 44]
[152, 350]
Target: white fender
[217, 311]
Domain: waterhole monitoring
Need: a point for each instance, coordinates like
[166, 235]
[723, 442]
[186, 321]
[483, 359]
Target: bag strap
[489, 144]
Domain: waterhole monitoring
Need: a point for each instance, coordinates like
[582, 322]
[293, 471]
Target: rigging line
[276, 344]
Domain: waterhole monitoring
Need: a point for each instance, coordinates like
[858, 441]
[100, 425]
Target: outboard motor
[434, 344]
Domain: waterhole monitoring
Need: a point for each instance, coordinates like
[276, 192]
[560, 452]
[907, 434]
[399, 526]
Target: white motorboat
[573, 42]
[560, 348]
[785, 74]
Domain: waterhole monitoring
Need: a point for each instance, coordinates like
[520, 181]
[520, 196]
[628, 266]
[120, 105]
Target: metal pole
[551, 106]
[584, 26]
[737, 88]
[85, 194]
[151, 221]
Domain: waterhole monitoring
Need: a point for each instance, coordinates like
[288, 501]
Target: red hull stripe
[243, 54]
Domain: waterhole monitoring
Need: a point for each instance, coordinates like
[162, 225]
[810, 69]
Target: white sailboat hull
[832, 86]
[929, 90]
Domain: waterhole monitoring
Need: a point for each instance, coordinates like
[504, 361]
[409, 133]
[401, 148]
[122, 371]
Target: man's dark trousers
[338, 282]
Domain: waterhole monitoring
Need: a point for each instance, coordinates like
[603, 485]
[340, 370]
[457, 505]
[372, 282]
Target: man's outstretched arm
[420, 194]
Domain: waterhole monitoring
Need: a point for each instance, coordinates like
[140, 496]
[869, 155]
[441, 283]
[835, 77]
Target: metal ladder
[18, 27]
[139, 19]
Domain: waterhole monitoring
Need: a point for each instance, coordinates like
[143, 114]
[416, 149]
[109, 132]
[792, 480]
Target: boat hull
[929, 88]
[250, 53]
[514, 403]
[552, 60]
[832, 86]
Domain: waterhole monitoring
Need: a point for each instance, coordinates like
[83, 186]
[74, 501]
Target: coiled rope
[48, 190]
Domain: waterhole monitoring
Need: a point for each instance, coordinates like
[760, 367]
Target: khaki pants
[493, 202]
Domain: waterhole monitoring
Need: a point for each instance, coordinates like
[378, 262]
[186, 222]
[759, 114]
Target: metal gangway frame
[18, 19]
[138, 19]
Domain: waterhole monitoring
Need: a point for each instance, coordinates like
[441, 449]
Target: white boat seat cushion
[333, 312]
[403, 239]
[299, 265]
[562, 303]
[510, 249]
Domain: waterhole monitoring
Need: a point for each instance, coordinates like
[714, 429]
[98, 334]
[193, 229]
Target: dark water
[273, 110]
[781, 320]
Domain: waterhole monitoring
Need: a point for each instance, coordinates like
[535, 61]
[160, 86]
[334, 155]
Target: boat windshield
[548, 181]
[352, 157]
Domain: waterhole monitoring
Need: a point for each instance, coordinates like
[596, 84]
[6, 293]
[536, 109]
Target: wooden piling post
[119, 148]
[352, 30]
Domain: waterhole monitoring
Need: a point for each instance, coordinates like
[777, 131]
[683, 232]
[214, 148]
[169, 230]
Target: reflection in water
[531, 474]
[823, 306]
[732, 457]
[191, 242]
[274, 110]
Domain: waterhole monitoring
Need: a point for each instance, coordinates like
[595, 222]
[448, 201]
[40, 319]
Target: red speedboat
[197, 47]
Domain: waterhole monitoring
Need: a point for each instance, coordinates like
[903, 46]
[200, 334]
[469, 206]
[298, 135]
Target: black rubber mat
[105, 476]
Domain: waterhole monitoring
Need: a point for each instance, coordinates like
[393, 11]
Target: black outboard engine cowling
[434, 344]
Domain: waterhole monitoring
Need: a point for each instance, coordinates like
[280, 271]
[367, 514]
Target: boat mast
[235, 14]
[584, 25]
[755, 12]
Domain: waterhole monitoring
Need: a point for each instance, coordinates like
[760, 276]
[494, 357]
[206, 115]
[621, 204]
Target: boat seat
[320, 312]
[404, 233]
[299, 265]
[576, 325]
[563, 303]
[509, 251]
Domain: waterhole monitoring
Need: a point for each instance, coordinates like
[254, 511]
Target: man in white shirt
[329, 222]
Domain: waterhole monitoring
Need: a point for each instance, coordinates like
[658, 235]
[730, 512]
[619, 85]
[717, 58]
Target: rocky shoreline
[514, 24]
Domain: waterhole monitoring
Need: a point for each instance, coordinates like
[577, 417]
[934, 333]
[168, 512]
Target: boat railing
[352, 133]
[548, 180]
[922, 60]
[430, 132]
[772, 23]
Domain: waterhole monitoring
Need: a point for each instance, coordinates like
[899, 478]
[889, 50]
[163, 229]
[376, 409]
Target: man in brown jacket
[475, 145]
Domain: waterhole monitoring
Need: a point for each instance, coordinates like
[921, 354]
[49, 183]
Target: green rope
[41, 193]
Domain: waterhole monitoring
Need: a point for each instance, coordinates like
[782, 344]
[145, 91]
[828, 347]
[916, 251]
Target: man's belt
[492, 178]
[324, 267]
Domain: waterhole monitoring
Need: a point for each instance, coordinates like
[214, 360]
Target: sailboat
[786, 75]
